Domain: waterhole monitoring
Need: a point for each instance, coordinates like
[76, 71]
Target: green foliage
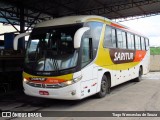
[155, 50]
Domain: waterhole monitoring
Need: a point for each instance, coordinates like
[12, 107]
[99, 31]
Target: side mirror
[78, 36]
[15, 42]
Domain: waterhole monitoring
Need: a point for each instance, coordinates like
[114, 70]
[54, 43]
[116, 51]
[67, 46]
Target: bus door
[89, 69]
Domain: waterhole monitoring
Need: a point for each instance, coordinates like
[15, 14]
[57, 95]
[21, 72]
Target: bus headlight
[57, 85]
[70, 82]
[25, 80]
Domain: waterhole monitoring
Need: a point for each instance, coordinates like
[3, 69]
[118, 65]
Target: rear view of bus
[79, 56]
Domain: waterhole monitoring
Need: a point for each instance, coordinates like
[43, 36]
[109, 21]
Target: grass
[155, 50]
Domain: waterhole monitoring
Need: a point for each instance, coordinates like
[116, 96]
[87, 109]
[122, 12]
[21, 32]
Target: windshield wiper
[55, 65]
[54, 61]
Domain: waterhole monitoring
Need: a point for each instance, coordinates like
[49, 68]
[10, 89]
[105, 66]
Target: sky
[148, 26]
[6, 28]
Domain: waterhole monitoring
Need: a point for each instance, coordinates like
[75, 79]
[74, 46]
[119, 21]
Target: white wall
[155, 63]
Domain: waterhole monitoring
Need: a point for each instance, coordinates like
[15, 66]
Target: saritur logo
[123, 56]
[119, 56]
[38, 79]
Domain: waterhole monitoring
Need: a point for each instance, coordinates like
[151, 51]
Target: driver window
[85, 52]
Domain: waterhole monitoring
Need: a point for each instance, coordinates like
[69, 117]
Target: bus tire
[105, 87]
[138, 79]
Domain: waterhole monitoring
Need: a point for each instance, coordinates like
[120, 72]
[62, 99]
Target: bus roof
[80, 19]
[73, 20]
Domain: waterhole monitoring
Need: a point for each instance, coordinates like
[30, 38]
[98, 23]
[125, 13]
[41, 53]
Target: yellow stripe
[99, 20]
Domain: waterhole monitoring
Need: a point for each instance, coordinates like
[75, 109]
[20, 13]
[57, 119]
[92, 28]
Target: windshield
[51, 48]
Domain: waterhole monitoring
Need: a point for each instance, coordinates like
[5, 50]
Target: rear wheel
[138, 79]
[105, 87]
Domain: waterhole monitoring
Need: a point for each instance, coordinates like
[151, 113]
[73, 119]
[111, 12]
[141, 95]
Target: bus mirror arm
[15, 42]
[78, 36]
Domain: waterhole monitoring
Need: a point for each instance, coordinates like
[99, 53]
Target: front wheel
[105, 87]
[138, 79]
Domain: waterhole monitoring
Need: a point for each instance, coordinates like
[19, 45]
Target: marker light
[77, 79]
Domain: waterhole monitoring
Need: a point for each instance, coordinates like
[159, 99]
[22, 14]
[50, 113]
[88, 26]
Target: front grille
[53, 86]
[40, 85]
[35, 84]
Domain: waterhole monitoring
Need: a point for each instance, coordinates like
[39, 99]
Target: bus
[75, 57]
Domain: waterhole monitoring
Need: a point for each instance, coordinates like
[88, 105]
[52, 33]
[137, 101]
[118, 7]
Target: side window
[147, 43]
[108, 37]
[143, 43]
[94, 33]
[85, 51]
[133, 42]
[137, 41]
[114, 38]
[124, 39]
[121, 39]
[130, 39]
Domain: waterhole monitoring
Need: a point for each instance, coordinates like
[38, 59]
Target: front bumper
[65, 93]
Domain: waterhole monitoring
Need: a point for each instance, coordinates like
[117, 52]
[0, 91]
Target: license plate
[43, 92]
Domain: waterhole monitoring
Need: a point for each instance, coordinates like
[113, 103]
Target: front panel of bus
[52, 64]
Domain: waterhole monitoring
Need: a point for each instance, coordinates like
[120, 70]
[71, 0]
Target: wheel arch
[141, 67]
[108, 74]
